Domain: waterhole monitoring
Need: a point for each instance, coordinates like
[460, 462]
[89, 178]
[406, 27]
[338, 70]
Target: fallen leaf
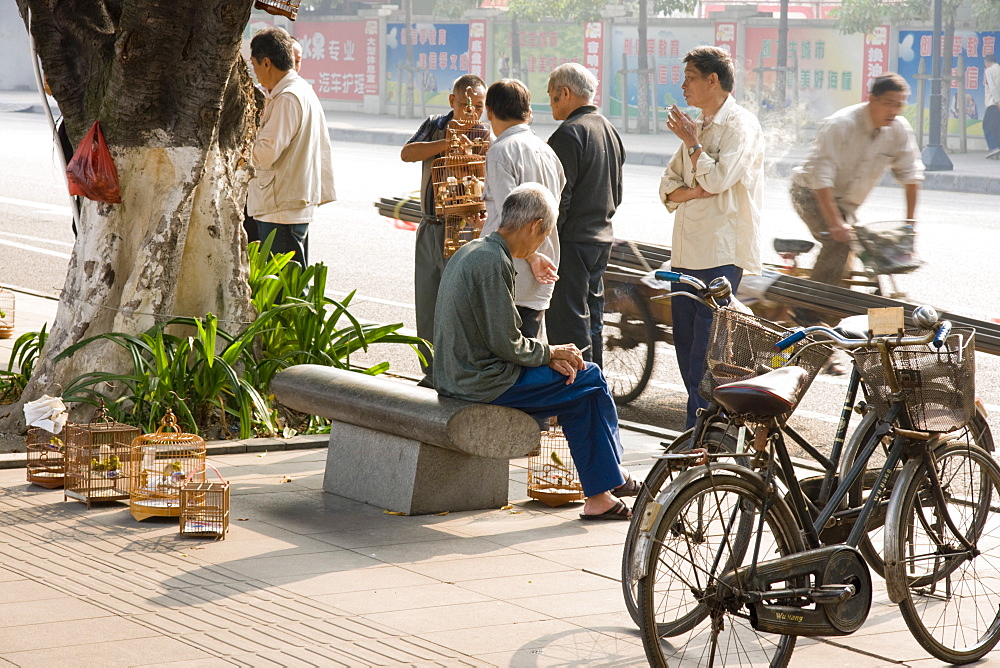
[286, 479]
[242, 519]
[440, 514]
[262, 454]
[393, 512]
[508, 506]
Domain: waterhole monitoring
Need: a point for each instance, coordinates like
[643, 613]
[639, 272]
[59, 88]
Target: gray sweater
[478, 348]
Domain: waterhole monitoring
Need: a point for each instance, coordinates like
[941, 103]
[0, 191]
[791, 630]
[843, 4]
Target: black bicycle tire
[779, 518]
[630, 294]
[898, 547]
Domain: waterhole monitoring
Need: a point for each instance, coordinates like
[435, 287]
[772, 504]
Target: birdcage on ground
[162, 463]
[96, 458]
[205, 507]
[6, 314]
[45, 465]
[552, 475]
[459, 178]
[286, 8]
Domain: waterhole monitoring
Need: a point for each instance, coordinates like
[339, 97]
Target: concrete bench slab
[405, 448]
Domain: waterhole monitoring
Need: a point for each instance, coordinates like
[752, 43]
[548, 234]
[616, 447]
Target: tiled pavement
[307, 578]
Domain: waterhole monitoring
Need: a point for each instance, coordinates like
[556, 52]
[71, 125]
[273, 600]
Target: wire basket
[205, 507]
[741, 346]
[938, 384]
[887, 247]
[552, 475]
[45, 466]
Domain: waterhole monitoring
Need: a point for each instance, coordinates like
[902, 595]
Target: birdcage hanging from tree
[162, 463]
[97, 462]
[459, 178]
[286, 8]
[552, 475]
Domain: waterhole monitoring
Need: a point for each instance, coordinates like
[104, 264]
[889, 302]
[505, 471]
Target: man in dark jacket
[592, 155]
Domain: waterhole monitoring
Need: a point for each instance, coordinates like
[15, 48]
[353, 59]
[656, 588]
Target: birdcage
[162, 463]
[6, 314]
[459, 178]
[552, 476]
[96, 458]
[205, 507]
[45, 464]
[287, 8]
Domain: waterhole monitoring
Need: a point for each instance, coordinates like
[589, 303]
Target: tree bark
[179, 112]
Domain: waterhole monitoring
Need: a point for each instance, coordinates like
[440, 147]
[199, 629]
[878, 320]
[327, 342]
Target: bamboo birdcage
[459, 178]
[162, 463]
[6, 313]
[552, 475]
[45, 465]
[97, 462]
[205, 508]
[286, 8]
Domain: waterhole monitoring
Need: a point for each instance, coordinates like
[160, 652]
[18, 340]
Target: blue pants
[587, 414]
[692, 325]
[991, 127]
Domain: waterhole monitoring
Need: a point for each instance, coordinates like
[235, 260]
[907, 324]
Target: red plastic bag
[91, 172]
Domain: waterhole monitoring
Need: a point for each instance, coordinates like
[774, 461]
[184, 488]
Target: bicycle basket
[938, 385]
[741, 346]
[887, 247]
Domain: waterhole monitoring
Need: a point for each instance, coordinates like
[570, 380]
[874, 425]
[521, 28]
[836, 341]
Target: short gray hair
[580, 81]
[527, 203]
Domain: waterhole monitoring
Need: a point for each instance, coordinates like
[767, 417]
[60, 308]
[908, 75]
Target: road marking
[34, 249]
[38, 206]
[375, 300]
[67, 244]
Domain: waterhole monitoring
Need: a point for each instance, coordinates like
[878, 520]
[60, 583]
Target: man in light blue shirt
[518, 156]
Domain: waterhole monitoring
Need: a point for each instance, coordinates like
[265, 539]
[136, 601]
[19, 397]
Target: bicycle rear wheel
[717, 438]
[950, 594]
[710, 528]
[629, 342]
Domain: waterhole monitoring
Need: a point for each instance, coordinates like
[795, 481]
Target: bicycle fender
[654, 510]
[895, 585]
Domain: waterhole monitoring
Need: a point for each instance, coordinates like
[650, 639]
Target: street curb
[17, 460]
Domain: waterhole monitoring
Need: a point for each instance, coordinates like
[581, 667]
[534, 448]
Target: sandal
[619, 512]
[630, 487]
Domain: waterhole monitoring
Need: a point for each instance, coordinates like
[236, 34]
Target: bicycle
[701, 560]
[742, 341]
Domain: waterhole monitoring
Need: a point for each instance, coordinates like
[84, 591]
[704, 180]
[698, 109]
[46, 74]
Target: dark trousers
[991, 127]
[576, 312]
[287, 239]
[587, 414]
[428, 265]
[531, 321]
[692, 326]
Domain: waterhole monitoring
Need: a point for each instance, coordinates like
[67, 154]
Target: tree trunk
[176, 104]
[642, 64]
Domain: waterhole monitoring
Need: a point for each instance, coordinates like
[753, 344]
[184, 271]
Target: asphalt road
[959, 235]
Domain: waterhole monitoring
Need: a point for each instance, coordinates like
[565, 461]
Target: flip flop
[630, 487]
[619, 512]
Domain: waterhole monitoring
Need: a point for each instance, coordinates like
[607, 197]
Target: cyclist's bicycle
[733, 570]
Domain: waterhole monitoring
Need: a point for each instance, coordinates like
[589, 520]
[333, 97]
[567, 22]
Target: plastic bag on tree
[91, 172]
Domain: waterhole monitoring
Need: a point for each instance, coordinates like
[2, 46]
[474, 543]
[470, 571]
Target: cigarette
[585, 349]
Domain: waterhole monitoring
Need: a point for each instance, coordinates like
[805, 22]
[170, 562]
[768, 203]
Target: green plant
[23, 357]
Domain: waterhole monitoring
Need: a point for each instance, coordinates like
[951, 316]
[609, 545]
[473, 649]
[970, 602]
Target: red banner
[477, 48]
[593, 53]
[340, 58]
[725, 36]
[876, 58]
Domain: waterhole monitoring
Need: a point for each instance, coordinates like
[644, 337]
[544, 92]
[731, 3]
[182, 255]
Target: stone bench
[405, 448]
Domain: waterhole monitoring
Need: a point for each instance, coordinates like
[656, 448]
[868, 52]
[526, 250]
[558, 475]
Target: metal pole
[934, 156]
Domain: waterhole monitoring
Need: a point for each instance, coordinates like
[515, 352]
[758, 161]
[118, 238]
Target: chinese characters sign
[340, 58]
[876, 57]
[593, 51]
[477, 48]
[544, 46]
[725, 36]
[440, 55]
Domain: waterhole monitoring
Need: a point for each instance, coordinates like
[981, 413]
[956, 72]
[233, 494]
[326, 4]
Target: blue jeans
[587, 414]
[692, 325]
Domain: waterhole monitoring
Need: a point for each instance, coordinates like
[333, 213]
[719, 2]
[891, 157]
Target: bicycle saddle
[792, 246]
[769, 395]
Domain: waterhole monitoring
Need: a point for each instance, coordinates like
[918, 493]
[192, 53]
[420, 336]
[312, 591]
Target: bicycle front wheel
[949, 591]
[687, 617]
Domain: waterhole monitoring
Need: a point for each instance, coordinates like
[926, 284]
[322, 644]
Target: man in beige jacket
[292, 156]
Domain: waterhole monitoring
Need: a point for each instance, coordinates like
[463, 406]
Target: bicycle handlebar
[936, 337]
[678, 277]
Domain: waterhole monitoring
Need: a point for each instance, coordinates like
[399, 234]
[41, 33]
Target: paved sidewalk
[307, 578]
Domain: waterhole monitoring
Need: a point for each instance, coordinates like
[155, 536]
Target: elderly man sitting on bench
[480, 354]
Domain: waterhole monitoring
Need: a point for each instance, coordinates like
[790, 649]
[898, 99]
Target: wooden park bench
[405, 448]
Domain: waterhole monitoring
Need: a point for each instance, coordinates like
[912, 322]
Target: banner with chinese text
[544, 46]
[593, 54]
[440, 55]
[340, 58]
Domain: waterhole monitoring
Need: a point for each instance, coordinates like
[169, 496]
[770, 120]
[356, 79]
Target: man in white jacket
[292, 156]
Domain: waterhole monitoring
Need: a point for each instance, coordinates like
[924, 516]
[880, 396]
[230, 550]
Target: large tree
[178, 109]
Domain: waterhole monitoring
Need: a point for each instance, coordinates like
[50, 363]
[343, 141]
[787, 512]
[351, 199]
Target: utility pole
[781, 75]
[934, 156]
